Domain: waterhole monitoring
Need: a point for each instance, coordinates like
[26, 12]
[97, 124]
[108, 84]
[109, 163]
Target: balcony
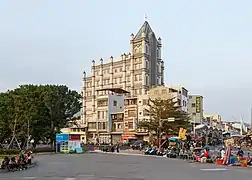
[117, 130]
[117, 117]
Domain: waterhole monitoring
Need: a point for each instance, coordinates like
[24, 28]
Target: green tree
[36, 111]
[5, 113]
[62, 105]
[166, 117]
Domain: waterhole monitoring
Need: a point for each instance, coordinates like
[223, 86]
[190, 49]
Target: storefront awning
[126, 137]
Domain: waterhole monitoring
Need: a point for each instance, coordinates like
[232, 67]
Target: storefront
[129, 136]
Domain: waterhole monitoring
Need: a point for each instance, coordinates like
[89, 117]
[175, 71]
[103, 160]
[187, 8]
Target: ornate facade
[134, 73]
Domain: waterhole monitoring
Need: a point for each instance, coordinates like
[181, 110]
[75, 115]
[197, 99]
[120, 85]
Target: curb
[45, 153]
[126, 154]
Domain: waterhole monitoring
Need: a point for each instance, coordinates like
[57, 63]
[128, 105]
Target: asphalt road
[123, 167]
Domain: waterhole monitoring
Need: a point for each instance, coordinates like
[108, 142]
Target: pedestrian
[112, 149]
[117, 148]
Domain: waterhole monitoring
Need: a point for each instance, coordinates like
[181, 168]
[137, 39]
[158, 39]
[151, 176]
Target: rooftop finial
[145, 17]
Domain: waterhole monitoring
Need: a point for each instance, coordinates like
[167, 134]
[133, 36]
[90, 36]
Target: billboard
[198, 105]
[74, 137]
[62, 137]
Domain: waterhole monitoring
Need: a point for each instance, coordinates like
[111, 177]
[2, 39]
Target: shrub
[16, 151]
[44, 149]
[9, 151]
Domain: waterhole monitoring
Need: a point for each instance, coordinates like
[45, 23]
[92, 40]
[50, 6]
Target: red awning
[126, 137]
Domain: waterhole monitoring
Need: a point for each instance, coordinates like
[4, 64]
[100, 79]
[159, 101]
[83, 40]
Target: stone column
[132, 75]
[101, 74]
[83, 114]
[111, 72]
[124, 80]
[143, 66]
[161, 63]
[162, 72]
[93, 86]
[132, 43]
[160, 47]
[143, 76]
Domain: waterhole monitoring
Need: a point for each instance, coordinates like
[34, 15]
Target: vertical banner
[198, 105]
[182, 134]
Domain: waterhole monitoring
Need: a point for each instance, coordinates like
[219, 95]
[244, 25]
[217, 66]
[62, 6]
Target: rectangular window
[193, 105]
[102, 114]
[104, 125]
[136, 78]
[145, 113]
[130, 125]
[114, 103]
[102, 103]
[92, 125]
[145, 102]
[132, 113]
[146, 81]
[99, 115]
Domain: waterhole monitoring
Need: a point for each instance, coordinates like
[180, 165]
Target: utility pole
[28, 133]
[194, 124]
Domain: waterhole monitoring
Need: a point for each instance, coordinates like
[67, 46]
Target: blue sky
[206, 44]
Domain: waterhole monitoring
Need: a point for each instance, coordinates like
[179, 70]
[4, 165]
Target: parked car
[136, 144]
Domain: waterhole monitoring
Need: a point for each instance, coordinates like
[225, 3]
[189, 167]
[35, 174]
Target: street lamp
[194, 124]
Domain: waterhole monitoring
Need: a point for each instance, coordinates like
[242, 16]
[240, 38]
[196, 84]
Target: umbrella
[206, 147]
[174, 139]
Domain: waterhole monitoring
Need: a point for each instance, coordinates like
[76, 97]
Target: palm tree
[166, 117]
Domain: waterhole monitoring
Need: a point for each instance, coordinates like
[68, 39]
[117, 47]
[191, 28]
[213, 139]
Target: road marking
[28, 178]
[215, 169]
[86, 175]
[70, 179]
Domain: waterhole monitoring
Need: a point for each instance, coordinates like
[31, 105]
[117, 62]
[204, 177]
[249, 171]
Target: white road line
[86, 175]
[28, 178]
[70, 179]
[215, 169]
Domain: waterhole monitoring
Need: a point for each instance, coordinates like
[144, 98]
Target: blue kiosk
[62, 143]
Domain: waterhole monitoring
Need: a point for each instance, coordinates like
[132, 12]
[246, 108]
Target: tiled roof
[145, 28]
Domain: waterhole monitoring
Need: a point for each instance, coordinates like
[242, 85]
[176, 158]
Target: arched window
[146, 64]
[146, 80]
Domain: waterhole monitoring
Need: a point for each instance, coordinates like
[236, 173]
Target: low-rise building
[179, 93]
[213, 120]
[110, 116]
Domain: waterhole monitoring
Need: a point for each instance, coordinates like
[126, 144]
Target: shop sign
[74, 137]
[62, 137]
[198, 105]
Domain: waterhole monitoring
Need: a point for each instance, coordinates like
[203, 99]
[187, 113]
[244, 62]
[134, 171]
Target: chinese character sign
[198, 105]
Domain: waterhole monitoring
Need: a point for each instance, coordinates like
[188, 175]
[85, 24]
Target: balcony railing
[117, 130]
